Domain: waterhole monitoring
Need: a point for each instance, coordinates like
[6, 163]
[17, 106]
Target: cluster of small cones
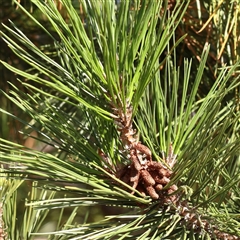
[147, 176]
[143, 174]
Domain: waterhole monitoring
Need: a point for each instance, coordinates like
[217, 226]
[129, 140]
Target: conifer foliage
[121, 125]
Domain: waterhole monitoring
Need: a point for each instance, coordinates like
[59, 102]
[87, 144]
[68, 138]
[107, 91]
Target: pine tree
[124, 126]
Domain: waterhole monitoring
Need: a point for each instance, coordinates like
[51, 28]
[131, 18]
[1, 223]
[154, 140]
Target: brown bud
[151, 191]
[135, 162]
[164, 172]
[148, 180]
[143, 149]
[159, 187]
[164, 180]
[173, 188]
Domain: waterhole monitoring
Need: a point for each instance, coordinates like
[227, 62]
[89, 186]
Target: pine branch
[125, 128]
